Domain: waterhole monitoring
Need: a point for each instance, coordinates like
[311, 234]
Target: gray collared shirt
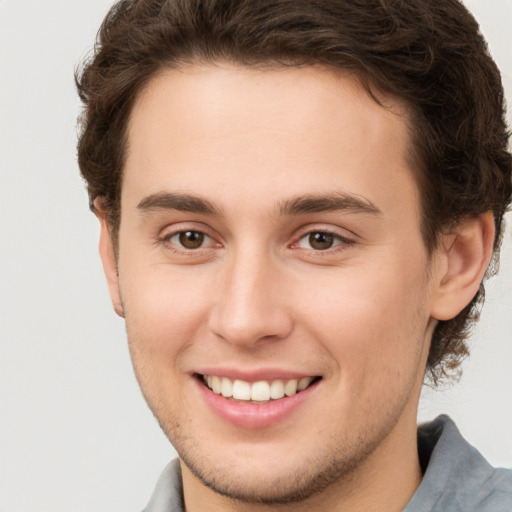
[457, 478]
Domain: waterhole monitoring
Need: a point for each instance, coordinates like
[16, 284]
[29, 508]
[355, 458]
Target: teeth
[277, 389]
[241, 390]
[215, 384]
[261, 391]
[290, 388]
[304, 383]
[226, 388]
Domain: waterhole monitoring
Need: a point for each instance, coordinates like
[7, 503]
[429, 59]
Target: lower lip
[254, 415]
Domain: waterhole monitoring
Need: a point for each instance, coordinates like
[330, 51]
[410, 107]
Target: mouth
[260, 392]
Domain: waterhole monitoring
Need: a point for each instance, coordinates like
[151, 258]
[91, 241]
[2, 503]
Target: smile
[261, 391]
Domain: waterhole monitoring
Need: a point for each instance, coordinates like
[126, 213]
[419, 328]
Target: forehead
[206, 128]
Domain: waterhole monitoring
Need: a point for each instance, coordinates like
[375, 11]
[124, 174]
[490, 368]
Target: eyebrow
[338, 201]
[180, 202]
[298, 205]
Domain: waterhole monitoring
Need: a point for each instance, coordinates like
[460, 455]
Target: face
[270, 248]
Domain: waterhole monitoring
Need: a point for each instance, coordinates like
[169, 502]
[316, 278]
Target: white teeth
[241, 390]
[290, 388]
[260, 391]
[215, 385]
[304, 383]
[277, 389]
[226, 388]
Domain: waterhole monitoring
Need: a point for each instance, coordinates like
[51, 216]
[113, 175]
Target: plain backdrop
[75, 434]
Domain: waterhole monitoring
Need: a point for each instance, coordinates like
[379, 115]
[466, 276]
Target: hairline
[412, 119]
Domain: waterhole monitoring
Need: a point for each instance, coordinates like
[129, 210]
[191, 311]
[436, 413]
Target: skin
[257, 294]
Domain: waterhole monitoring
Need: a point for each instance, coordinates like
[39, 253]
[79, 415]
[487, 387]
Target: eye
[320, 241]
[189, 239]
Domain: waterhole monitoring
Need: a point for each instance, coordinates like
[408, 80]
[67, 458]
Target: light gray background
[75, 434]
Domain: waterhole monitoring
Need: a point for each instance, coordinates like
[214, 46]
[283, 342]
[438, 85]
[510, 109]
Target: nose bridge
[250, 306]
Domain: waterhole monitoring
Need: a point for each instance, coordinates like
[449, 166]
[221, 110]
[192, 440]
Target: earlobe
[108, 257]
[463, 258]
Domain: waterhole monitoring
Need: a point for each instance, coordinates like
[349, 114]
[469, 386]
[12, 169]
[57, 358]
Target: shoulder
[168, 493]
[457, 477]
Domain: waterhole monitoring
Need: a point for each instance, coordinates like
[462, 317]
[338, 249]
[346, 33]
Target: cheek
[371, 322]
[164, 314]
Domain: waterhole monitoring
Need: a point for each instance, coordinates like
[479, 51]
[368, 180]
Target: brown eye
[191, 239]
[321, 241]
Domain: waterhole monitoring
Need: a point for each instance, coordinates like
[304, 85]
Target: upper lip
[255, 375]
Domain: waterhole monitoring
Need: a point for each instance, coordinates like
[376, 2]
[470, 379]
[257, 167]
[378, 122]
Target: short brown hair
[429, 53]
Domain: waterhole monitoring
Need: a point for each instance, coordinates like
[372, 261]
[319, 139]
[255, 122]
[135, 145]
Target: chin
[276, 479]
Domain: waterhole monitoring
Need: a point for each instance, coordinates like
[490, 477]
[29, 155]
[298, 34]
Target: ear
[462, 260]
[108, 257]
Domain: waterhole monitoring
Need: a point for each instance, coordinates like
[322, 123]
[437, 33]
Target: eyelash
[176, 247]
[340, 243]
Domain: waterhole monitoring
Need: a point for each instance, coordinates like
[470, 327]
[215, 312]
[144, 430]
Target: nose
[252, 305]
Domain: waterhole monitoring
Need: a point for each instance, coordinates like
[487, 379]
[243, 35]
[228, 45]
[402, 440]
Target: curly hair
[429, 53]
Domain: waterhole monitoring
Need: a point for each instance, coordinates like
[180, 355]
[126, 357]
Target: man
[298, 203]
